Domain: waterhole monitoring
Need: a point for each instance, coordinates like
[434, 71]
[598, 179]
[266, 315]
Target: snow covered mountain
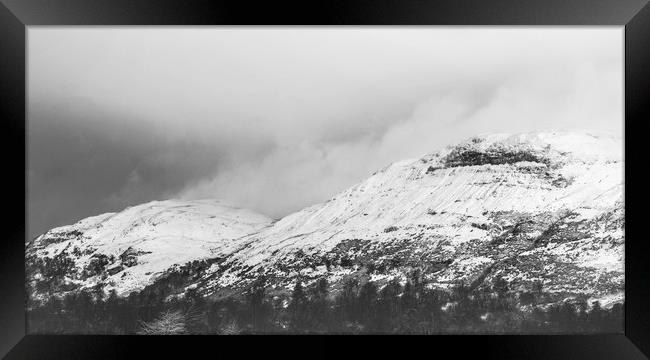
[537, 209]
[130, 249]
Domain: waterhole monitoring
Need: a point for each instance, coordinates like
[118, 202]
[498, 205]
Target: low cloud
[293, 176]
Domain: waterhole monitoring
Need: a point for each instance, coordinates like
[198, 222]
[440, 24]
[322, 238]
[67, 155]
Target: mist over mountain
[278, 119]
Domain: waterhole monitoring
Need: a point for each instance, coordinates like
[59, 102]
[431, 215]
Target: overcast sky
[279, 119]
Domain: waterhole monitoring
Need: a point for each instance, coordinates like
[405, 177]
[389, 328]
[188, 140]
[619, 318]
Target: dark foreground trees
[355, 308]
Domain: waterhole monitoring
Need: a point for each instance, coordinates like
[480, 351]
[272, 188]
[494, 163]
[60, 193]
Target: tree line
[356, 307]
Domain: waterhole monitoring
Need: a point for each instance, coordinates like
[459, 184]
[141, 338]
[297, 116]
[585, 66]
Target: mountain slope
[532, 207]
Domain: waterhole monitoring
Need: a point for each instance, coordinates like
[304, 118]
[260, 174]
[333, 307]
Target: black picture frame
[17, 15]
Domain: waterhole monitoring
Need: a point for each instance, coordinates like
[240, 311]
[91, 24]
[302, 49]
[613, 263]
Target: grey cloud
[276, 120]
[85, 159]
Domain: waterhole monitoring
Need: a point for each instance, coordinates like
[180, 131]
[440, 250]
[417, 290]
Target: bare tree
[231, 328]
[170, 322]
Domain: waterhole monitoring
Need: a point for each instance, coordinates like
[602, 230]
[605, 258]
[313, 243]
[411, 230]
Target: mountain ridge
[529, 207]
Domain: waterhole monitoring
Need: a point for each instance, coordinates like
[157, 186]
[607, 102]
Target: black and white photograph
[233, 180]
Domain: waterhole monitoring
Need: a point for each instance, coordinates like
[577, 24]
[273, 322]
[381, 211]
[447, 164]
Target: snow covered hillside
[532, 207]
[128, 250]
[537, 209]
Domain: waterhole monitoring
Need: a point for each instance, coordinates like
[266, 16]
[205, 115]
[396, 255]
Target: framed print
[459, 172]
